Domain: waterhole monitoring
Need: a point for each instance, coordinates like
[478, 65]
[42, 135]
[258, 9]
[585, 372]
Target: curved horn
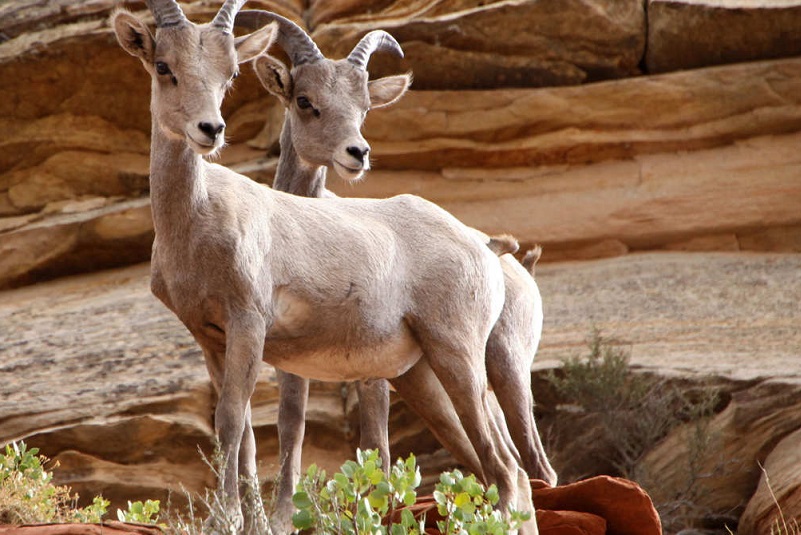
[224, 19]
[372, 42]
[166, 12]
[292, 38]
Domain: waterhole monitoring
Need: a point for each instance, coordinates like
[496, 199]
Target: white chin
[203, 150]
[347, 174]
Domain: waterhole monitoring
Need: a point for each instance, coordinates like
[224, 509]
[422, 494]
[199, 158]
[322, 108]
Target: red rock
[626, 508]
[569, 523]
[600, 505]
[106, 528]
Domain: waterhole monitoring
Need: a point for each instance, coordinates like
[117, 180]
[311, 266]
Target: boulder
[625, 507]
[493, 44]
[688, 34]
[776, 504]
[714, 469]
[597, 506]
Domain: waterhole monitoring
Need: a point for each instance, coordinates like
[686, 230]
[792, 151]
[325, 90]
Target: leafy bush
[358, 498]
[361, 500]
[28, 495]
[468, 509]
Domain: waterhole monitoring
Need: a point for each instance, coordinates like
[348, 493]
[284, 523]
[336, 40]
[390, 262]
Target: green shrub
[469, 509]
[633, 412]
[28, 495]
[140, 513]
[360, 499]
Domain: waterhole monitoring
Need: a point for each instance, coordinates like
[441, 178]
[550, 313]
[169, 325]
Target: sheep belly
[389, 359]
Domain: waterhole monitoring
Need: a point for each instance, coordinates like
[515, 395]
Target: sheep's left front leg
[374, 418]
[243, 355]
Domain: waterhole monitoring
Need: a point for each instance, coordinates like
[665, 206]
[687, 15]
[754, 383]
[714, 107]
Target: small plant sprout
[141, 513]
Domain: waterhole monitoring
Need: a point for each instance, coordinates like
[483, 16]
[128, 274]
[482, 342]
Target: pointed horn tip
[388, 43]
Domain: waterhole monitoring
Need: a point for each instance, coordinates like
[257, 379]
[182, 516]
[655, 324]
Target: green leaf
[302, 519]
[301, 500]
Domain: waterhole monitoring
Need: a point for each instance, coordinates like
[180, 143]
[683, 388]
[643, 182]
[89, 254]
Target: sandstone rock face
[779, 489]
[687, 34]
[74, 165]
[494, 44]
[534, 118]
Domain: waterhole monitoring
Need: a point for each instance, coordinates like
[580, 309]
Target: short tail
[530, 259]
[503, 244]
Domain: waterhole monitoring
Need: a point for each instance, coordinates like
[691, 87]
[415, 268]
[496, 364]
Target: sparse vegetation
[28, 494]
[633, 412]
[780, 524]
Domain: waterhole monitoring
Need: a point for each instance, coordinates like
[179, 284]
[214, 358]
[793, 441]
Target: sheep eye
[162, 68]
[303, 103]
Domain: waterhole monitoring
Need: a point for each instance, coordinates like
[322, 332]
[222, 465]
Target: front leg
[294, 393]
[374, 418]
[245, 344]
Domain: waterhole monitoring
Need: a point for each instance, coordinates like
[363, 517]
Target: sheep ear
[386, 91]
[251, 45]
[133, 36]
[275, 77]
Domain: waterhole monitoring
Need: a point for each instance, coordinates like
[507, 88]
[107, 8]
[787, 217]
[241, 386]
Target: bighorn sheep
[326, 102]
[331, 289]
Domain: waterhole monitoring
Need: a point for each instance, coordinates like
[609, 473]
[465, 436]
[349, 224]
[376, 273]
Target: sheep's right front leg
[294, 394]
[243, 356]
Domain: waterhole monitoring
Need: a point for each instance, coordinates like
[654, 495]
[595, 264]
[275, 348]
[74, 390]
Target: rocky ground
[651, 147]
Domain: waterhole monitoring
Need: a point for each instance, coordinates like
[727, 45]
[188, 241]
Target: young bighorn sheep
[331, 289]
[326, 102]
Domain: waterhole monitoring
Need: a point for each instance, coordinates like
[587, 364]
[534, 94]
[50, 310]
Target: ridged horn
[224, 19]
[374, 41]
[166, 13]
[292, 38]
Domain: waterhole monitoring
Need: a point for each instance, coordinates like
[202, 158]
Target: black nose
[211, 130]
[358, 153]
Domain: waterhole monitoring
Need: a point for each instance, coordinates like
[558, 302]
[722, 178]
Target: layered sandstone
[687, 34]
[545, 122]
[506, 43]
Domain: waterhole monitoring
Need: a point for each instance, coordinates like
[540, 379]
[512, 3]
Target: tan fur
[504, 244]
[331, 288]
[531, 258]
[338, 92]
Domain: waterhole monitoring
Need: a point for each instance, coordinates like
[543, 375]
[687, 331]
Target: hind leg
[461, 370]
[509, 372]
[423, 392]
